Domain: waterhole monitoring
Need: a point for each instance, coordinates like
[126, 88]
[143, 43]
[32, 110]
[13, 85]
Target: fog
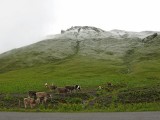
[23, 22]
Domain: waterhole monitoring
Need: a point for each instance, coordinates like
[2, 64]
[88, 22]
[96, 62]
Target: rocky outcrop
[150, 38]
[62, 31]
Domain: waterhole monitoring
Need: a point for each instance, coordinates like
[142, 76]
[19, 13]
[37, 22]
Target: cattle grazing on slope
[30, 101]
[62, 90]
[77, 87]
[109, 84]
[32, 94]
[42, 96]
[71, 88]
[50, 87]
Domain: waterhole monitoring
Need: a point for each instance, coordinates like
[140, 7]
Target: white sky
[24, 22]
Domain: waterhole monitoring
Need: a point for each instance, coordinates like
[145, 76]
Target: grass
[87, 72]
[139, 107]
[83, 71]
[139, 68]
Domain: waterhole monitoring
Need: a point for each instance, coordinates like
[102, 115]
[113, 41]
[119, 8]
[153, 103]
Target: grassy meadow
[87, 72]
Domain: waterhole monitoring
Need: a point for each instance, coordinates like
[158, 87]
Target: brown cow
[32, 94]
[30, 101]
[70, 88]
[50, 87]
[109, 84]
[42, 96]
[62, 90]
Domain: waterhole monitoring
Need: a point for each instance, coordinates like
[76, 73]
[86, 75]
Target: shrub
[139, 95]
[74, 100]
[102, 101]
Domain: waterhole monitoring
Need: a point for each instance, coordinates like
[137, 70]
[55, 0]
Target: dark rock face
[149, 38]
[62, 31]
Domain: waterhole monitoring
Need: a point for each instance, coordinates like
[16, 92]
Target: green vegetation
[102, 100]
[137, 90]
[135, 78]
[78, 70]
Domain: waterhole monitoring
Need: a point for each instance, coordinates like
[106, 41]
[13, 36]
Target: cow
[32, 94]
[30, 101]
[50, 87]
[62, 90]
[100, 87]
[77, 87]
[42, 96]
[109, 84]
[71, 88]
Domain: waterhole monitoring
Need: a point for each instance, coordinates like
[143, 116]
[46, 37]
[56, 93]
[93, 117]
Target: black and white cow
[71, 88]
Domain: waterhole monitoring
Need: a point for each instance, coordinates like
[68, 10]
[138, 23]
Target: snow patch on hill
[89, 32]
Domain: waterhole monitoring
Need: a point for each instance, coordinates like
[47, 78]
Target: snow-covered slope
[128, 34]
[83, 32]
[79, 40]
[88, 32]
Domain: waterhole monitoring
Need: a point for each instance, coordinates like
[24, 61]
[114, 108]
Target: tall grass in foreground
[139, 107]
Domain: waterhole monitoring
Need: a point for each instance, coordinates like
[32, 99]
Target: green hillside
[78, 70]
[131, 65]
[138, 68]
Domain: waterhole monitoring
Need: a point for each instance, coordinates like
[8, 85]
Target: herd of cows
[35, 98]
